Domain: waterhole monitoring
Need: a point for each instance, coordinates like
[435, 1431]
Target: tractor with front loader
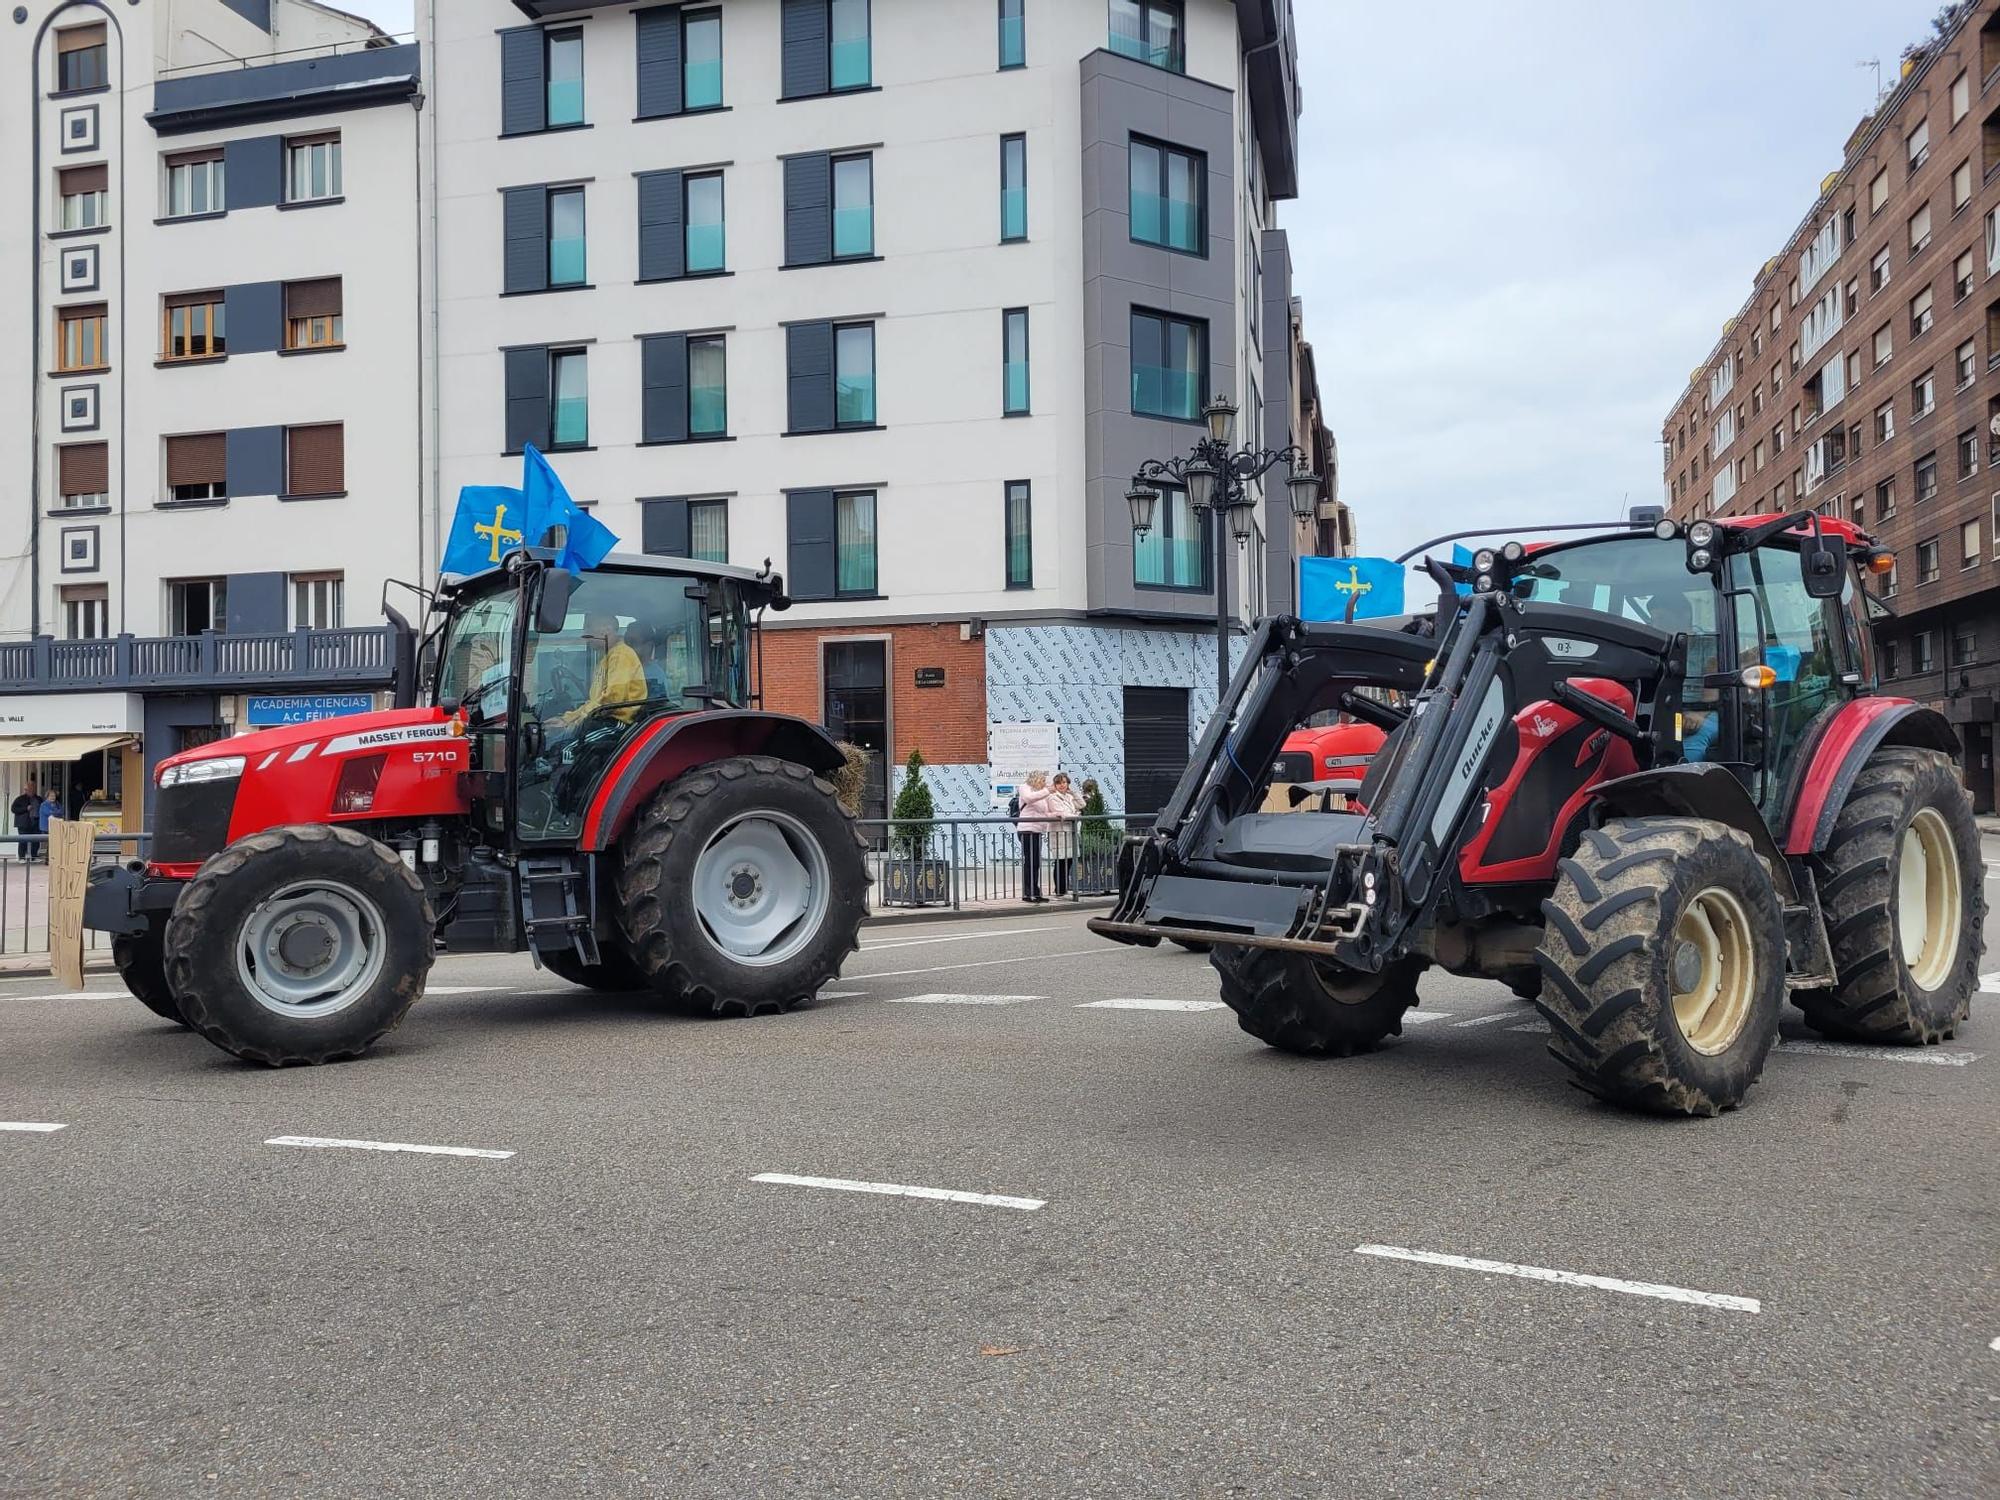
[591, 781]
[1644, 778]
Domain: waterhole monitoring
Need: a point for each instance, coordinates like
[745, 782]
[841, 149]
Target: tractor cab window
[631, 646]
[477, 663]
[1801, 639]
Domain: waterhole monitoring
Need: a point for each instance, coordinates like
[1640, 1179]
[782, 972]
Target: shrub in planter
[912, 877]
[1096, 845]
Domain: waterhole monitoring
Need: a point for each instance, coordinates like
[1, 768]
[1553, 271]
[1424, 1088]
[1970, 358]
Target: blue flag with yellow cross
[1326, 584]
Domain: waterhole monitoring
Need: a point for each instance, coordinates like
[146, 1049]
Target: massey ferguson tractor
[1642, 778]
[589, 782]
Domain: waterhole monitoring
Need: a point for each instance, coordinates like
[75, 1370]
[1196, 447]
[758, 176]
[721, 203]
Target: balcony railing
[301, 658]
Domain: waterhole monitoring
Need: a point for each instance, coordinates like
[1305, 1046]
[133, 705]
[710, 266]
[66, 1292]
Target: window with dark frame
[1013, 188]
[1013, 35]
[695, 527]
[1168, 196]
[569, 398]
[197, 604]
[563, 70]
[1927, 560]
[1927, 478]
[1152, 31]
[1176, 553]
[1014, 336]
[853, 206]
[701, 59]
[1968, 453]
[856, 565]
[854, 375]
[703, 214]
[81, 59]
[1169, 366]
[1020, 535]
[568, 240]
[826, 48]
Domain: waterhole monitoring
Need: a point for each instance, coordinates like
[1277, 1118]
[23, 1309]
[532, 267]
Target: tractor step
[558, 908]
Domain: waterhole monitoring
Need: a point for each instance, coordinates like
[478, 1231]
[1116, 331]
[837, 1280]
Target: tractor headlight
[1513, 552]
[1484, 559]
[215, 768]
[1699, 559]
[1701, 534]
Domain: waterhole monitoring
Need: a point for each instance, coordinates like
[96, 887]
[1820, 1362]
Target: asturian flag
[1326, 584]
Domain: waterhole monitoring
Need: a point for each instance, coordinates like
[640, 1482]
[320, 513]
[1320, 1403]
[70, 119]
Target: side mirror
[1823, 566]
[552, 609]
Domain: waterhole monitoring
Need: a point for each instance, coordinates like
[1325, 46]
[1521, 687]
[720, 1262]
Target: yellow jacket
[618, 678]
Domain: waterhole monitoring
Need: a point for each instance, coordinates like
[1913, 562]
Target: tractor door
[1804, 642]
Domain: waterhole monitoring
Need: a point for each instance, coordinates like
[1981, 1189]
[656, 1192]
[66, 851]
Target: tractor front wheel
[1663, 965]
[1904, 892]
[743, 887]
[1288, 1001]
[141, 959]
[301, 944]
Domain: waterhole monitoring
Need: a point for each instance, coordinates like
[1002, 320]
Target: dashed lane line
[1142, 1004]
[962, 937]
[321, 1142]
[1932, 1055]
[1567, 1278]
[1540, 1028]
[76, 995]
[1498, 1015]
[31, 1127]
[1103, 950]
[841, 995]
[1425, 1017]
[468, 989]
[964, 999]
[902, 1190]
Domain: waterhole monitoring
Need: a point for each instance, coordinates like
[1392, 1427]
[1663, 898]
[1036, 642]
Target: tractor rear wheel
[301, 944]
[1904, 893]
[1288, 1001]
[743, 887]
[141, 959]
[614, 973]
[1663, 965]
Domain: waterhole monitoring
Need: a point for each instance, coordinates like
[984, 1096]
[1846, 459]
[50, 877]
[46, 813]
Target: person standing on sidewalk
[1065, 807]
[49, 811]
[1031, 824]
[25, 809]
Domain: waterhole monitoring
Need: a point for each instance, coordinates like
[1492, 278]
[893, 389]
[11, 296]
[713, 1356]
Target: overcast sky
[1521, 224]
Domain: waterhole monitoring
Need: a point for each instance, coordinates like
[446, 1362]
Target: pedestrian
[26, 817]
[1066, 806]
[1031, 825]
[47, 813]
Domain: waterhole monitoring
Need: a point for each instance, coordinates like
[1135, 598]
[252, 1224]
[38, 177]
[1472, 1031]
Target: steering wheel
[564, 683]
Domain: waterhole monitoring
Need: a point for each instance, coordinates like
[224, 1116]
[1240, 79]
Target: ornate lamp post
[1217, 482]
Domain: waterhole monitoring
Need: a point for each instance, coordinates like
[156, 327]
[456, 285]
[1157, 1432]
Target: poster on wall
[1013, 750]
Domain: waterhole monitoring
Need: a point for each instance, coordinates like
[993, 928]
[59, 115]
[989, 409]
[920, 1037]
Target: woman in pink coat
[1031, 823]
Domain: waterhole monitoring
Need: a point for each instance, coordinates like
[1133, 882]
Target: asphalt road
[620, 1307]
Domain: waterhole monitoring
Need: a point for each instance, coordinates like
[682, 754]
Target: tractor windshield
[478, 655]
[1636, 578]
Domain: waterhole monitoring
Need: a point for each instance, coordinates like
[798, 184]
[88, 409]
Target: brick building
[1862, 377]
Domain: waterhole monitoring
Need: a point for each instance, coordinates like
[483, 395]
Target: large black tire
[1616, 950]
[675, 949]
[206, 938]
[141, 958]
[614, 974]
[1288, 1001]
[1903, 801]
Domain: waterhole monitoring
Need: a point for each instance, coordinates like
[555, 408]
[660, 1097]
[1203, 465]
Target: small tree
[914, 803]
[1096, 831]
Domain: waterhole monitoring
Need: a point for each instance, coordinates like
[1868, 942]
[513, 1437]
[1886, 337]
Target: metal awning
[57, 747]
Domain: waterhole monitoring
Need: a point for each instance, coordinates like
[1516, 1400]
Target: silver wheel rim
[761, 888]
[311, 948]
[1928, 913]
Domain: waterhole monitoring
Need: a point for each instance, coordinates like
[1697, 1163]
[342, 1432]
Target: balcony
[238, 93]
[364, 656]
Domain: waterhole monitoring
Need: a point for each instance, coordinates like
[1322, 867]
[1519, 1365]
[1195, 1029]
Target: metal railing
[982, 862]
[355, 654]
[24, 888]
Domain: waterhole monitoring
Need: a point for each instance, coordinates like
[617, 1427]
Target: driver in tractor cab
[618, 678]
[1674, 614]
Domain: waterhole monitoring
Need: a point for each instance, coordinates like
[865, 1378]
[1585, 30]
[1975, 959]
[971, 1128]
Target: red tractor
[1323, 764]
[589, 783]
[1644, 778]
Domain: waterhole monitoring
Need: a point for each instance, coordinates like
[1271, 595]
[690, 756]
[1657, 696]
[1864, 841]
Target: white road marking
[901, 1190]
[322, 1142]
[841, 995]
[1425, 1017]
[963, 937]
[1150, 1005]
[1989, 984]
[468, 989]
[78, 995]
[964, 999]
[1541, 1027]
[1931, 1055]
[1566, 1278]
[32, 1126]
[1498, 1015]
[1105, 950]
[1995, 1346]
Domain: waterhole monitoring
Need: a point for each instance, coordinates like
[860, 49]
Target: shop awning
[56, 747]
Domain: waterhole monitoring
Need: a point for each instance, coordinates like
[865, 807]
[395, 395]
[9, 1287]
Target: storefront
[86, 746]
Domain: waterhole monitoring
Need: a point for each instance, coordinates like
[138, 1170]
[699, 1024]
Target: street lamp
[1217, 482]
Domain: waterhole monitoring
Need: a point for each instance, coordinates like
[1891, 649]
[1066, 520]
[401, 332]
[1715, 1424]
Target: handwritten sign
[69, 873]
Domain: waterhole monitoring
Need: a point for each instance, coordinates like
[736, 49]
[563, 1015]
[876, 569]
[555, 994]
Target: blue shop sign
[303, 708]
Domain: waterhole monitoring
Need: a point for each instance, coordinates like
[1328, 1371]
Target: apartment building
[897, 294]
[211, 439]
[1862, 377]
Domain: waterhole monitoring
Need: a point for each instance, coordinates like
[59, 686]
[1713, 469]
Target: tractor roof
[1847, 531]
[771, 584]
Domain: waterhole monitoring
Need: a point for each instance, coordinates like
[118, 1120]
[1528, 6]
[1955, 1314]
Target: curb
[1015, 910]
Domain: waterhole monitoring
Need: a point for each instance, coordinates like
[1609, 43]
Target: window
[831, 544]
[563, 72]
[1174, 554]
[1927, 560]
[708, 530]
[198, 467]
[1920, 652]
[707, 234]
[1889, 663]
[1927, 478]
[1013, 35]
[83, 476]
[1961, 97]
[197, 604]
[679, 60]
[315, 461]
[701, 59]
[829, 208]
[1964, 643]
[1150, 30]
[1885, 421]
[1020, 536]
[1878, 271]
[708, 386]
[318, 602]
[545, 239]
[1923, 395]
[1169, 197]
[569, 398]
[1169, 366]
[1884, 346]
[695, 528]
[830, 376]
[1014, 335]
[1968, 453]
[854, 376]
[1961, 277]
[1885, 500]
[194, 184]
[1013, 188]
[80, 59]
[1919, 144]
[192, 326]
[1968, 541]
[1854, 369]
[1963, 363]
[1878, 192]
[86, 611]
[83, 197]
[1920, 313]
[825, 48]
[313, 317]
[1920, 230]
[849, 62]
[567, 257]
[853, 207]
[1961, 186]
[1757, 455]
[685, 383]
[312, 168]
[80, 341]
